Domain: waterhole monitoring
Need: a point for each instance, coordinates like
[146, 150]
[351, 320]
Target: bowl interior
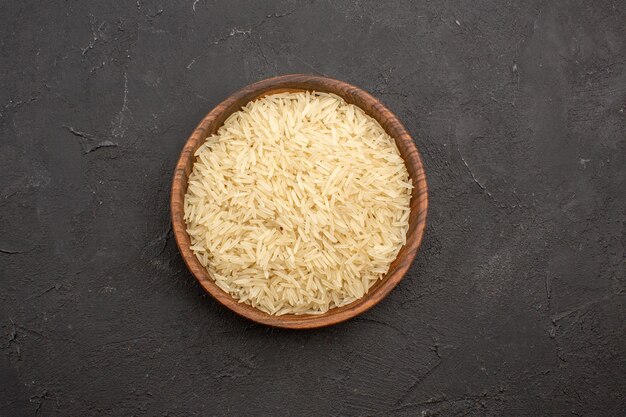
[295, 83]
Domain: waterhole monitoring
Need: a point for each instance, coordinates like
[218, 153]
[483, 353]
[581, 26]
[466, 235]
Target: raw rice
[298, 204]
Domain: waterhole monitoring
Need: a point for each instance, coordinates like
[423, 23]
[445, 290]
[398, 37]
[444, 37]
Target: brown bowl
[354, 95]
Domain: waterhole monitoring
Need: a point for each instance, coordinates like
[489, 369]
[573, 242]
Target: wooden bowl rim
[352, 94]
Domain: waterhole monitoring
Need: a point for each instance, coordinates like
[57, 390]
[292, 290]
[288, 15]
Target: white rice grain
[298, 204]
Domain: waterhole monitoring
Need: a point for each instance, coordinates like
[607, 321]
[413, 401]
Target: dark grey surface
[514, 306]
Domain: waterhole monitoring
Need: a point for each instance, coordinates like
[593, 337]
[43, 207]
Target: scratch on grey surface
[164, 237]
[192, 62]
[469, 170]
[12, 104]
[435, 349]
[125, 103]
[13, 340]
[54, 339]
[151, 29]
[193, 6]
[159, 12]
[494, 99]
[548, 287]
[12, 252]
[237, 367]
[519, 200]
[560, 316]
[279, 15]
[233, 33]
[86, 147]
[416, 383]
[236, 32]
[103, 144]
[118, 122]
[13, 334]
[39, 399]
[76, 132]
[28, 329]
[441, 400]
[583, 162]
[54, 287]
[380, 323]
[95, 33]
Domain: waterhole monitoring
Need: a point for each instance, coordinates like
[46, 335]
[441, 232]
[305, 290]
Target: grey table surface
[515, 305]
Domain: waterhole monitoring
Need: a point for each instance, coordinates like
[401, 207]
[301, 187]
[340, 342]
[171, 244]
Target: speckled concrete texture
[516, 304]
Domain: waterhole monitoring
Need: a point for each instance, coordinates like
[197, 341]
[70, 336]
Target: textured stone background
[515, 305]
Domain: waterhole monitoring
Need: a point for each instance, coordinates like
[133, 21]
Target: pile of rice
[298, 204]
